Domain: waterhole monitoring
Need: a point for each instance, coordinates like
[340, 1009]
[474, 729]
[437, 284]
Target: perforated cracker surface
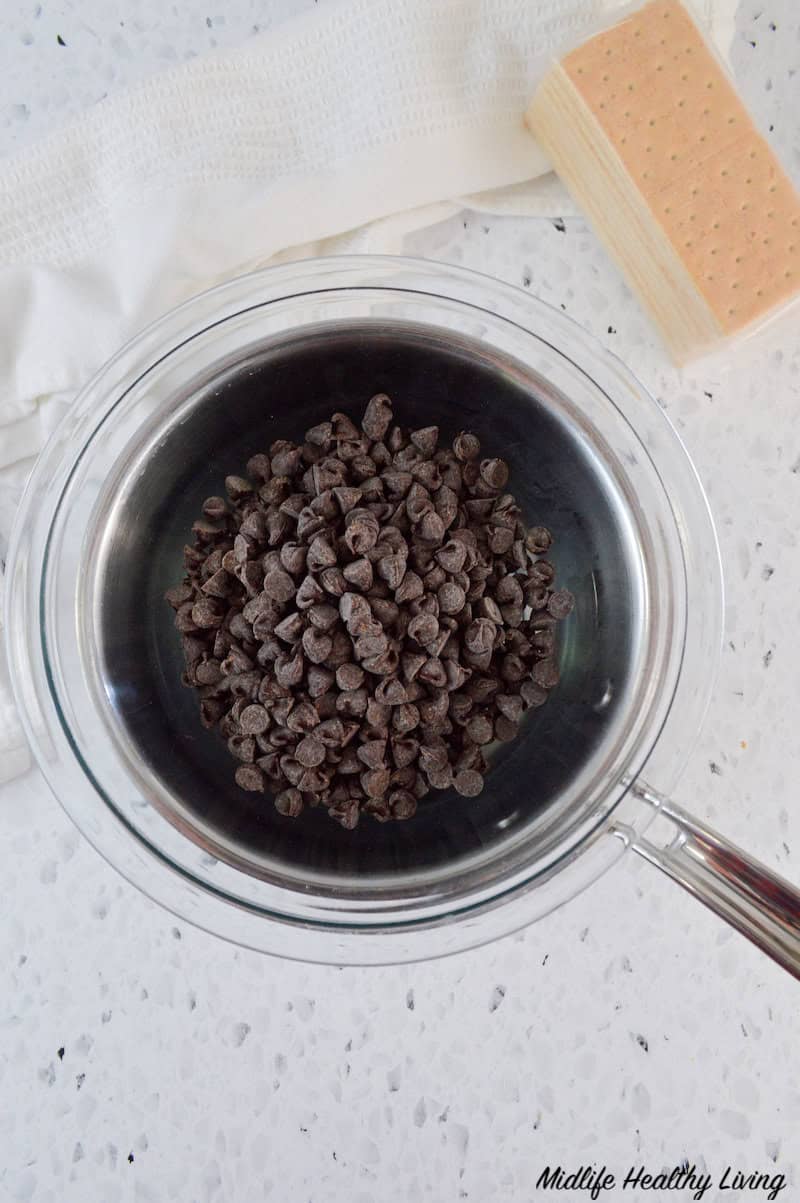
[691, 148]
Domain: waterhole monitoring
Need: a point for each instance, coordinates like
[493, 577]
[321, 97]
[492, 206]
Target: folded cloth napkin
[342, 130]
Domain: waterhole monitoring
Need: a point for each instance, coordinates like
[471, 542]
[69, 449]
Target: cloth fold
[342, 130]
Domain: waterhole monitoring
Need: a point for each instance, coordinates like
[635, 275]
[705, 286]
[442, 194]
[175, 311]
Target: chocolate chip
[289, 669]
[370, 645]
[359, 573]
[219, 584]
[445, 500]
[479, 636]
[538, 540]
[361, 533]
[343, 428]
[433, 673]
[349, 676]
[179, 596]
[405, 718]
[319, 680]
[323, 616]
[215, 508]
[542, 572]
[500, 540]
[385, 610]
[383, 664]
[504, 729]
[392, 569]
[320, 554]
[479, 729]
[347, 498]
[279, 737]
[316, 645]
[468, 783]
[378, 713]
[293, 558]
[495, 473]
[258, 467]
[433, 709]
[243, 747]
[466, 446]
[310, 751]
[441, 778]
[451, 598]
[423, 629]
[237, 487]
[289, 628]
[403, 804]
[410, 588]
[354, 609]
[431, 528]
[510, 705]
[341, 651]
[434, 579]
[309, 523]
[320, 435]
[391, 692]
[207, 614]
[536, 596]
[426, 439]
[487, 607]
[329, 733]
[372, 753]
[353, 703]
[314, 781]
[512, 668]
[346, 813]
[254, 527]
[289, 802]
[254, 720]
[250, 777]
[456, 673]
[545, 673]
[208, 672]
[512, 616]
[377, 416]
[279, 585]
[509, 591]
[428, 475]
[302, 718]
[404, 752]
[333, 582]
[471, 475]
[561, 603]
[411, 663]
[251, 577]
[375, 782]
[533, 695]
[452, 556]
[418, 503]
[396, 483]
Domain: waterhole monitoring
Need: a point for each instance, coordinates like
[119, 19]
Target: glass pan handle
[758, 903]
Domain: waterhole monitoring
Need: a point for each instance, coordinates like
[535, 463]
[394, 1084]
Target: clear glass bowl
[96, 662]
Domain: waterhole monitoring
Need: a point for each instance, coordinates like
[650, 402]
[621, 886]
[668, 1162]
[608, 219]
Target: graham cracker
[650, 135]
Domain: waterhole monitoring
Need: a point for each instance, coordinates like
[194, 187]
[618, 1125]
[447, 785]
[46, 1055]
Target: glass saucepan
[96, 661]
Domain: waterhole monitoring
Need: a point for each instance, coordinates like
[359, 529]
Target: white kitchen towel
[342, 130]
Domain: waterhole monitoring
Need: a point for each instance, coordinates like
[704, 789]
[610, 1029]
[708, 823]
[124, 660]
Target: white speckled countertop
[143, 1060]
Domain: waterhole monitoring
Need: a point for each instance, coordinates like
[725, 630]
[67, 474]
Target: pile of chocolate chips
[364, 614]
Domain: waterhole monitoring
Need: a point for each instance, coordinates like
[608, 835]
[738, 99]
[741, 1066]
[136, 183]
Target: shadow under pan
[278, 391]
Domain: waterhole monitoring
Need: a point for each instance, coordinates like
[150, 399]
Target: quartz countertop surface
[144, 1060]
